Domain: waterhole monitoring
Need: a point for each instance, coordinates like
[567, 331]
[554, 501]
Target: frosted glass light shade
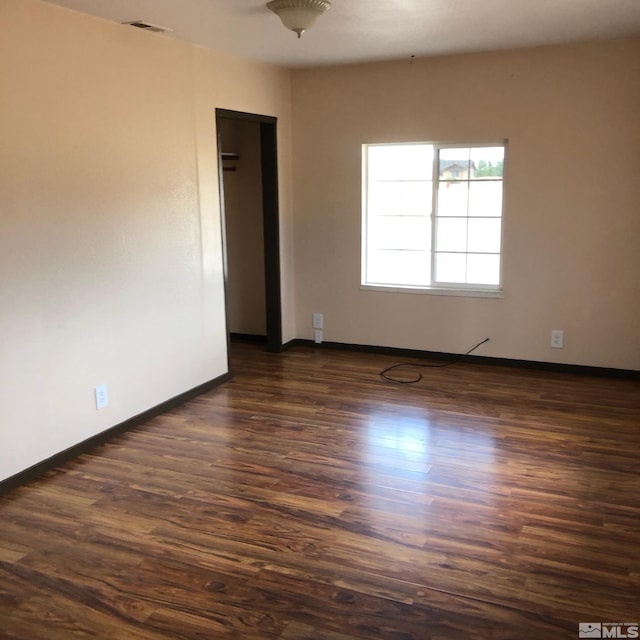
[298, 15]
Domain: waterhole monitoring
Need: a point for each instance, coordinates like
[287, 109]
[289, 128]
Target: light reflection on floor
[398, 453]
[414, 438]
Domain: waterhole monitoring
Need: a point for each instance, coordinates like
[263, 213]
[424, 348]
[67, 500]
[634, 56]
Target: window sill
[435, 291]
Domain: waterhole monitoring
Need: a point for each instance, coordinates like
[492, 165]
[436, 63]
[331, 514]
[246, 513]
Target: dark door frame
[270, 219]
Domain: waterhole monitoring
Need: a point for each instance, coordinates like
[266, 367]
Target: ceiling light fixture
[298, 15]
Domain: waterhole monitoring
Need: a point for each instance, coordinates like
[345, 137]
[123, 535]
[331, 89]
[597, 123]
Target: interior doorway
[248, 177]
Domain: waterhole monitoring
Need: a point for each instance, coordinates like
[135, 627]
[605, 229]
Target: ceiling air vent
[147, 26]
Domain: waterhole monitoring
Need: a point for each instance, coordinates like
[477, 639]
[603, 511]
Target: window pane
[487, 161]
[399, 267]
[485, 198]
[400, 232]
[454, 164]
[484, 235]
[451, 234]
[451, 267]
[400, 198]
[400, 162]
[397, 235]
[453, 198]
[483, 269]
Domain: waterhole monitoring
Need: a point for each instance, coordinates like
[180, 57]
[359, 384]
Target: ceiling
[367, 30]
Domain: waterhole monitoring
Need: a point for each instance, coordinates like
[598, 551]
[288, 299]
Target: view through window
[432, 216]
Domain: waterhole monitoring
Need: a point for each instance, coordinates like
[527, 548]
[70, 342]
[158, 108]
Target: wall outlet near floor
[317, 336]
[102, 396]
[557, 338]
[318, 321]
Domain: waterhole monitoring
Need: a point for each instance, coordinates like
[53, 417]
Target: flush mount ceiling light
[298, 15]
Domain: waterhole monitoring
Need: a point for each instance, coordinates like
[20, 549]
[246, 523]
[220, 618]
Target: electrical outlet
[102, 396]
[557, 338]
[317, 336]
[318, 321]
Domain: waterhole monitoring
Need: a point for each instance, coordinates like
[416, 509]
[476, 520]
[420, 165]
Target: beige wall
[110, 247]
[572, 219]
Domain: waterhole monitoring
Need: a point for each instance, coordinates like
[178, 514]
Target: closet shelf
[227, 155]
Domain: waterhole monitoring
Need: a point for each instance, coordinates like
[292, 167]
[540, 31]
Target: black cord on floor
[389, 378]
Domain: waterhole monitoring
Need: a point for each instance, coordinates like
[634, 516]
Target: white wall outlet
[102, 396]
[557, 338]
[317, 336]
[318, 321]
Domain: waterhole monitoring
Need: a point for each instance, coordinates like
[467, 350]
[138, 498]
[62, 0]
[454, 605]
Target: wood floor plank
[307, 499]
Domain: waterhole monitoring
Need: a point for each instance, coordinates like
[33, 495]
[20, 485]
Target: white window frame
[440, 288]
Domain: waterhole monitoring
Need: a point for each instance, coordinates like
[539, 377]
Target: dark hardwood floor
[309, 500]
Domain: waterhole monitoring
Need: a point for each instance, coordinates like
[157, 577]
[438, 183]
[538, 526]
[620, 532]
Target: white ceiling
[364, 30]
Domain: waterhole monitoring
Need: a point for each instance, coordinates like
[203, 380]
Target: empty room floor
[308, 499]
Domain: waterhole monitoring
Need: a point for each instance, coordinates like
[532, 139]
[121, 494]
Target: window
[432, 216]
